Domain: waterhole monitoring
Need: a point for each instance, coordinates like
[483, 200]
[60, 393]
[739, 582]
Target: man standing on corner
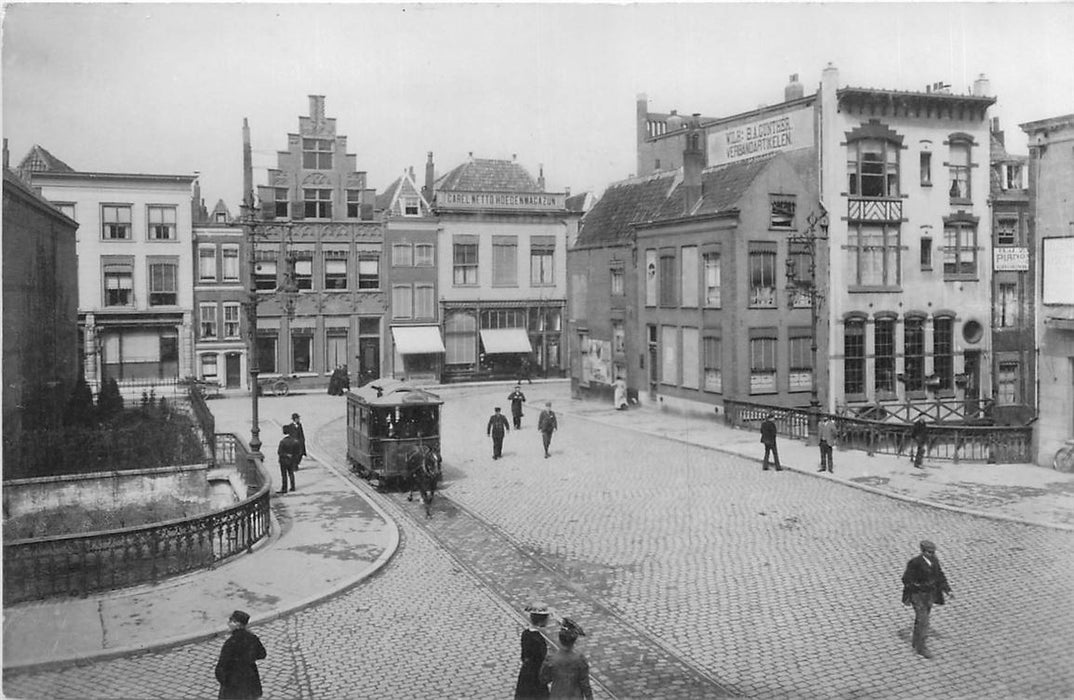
[923, 584]
[547, 425]
[920, 435]
[517, 398]
[768, 439]
[300, 435]
[826, 433]
[497, 428]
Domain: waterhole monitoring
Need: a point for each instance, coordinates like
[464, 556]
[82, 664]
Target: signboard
[597, 361]
[1057, 285]
[750, 139]
[528, 201]
[1010, 259]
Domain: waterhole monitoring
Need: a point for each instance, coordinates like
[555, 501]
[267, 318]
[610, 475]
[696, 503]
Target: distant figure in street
[768, 439]
[924, 584]
[300, 435]
[534, 651]
[517, 398]
[236, 670]
[339, 382]
[547, 425]
[567, 670]
[289, 452]
[920, 435]
[525, 369]
[497, 428]
[826, 433]
[620, 394]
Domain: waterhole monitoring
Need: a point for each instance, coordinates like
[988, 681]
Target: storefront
[418, 354]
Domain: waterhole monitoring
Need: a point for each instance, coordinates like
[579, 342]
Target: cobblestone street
[694, 573]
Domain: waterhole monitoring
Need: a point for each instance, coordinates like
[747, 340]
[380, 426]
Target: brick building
[322, 300]
[40, 308]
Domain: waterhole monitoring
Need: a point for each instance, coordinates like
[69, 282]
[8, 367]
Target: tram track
[626, 660]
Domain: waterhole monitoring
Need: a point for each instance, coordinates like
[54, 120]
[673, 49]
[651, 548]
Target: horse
[423, 471]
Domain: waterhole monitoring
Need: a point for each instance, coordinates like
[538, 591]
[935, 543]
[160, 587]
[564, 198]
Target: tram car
[388, 422]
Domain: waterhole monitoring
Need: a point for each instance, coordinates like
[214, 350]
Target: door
[972, 392]
[368, 359]
[232, 371]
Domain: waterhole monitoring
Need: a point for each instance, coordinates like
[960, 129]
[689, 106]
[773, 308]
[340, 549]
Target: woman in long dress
[620, 394]
[534, 650]
[567, 670]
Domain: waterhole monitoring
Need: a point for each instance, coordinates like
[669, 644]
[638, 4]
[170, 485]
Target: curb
[852, 484]
[105, 655]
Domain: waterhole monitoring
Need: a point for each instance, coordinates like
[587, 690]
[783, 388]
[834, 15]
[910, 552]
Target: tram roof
[394, 392]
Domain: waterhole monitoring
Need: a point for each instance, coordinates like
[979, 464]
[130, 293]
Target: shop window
[854, 358]
[943, 352]
[266, 353]
[161, 222]
[914, 354]
[884, 348]
[335, 346]
[209, 370]
[460, 338]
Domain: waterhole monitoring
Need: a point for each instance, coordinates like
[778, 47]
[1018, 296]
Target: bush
[109, 401]
[79, 410]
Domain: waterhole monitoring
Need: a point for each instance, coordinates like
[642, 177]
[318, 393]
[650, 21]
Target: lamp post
[806, 242]
[251, 325]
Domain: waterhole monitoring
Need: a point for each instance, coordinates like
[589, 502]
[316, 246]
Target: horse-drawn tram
[393, 432]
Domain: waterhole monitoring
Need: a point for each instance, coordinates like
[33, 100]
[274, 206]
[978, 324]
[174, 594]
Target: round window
[972, 331]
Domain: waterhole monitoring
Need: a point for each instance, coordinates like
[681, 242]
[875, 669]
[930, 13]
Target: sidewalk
[308, 557]
[328, 536]
[1016, 492]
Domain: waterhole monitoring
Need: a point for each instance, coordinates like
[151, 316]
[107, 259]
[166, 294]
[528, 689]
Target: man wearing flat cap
[236, 670]
[923, 584]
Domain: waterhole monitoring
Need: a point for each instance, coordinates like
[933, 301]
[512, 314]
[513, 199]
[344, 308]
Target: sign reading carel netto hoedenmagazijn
[759, 137]
[514, 201]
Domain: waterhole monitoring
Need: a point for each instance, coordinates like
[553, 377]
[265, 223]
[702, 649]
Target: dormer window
[411, 206]
[1014, 177]
[221, 217]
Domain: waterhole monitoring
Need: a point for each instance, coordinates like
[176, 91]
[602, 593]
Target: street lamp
[806, 242]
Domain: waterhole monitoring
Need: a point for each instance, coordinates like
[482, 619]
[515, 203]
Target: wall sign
[1010, 259]
[770, 134]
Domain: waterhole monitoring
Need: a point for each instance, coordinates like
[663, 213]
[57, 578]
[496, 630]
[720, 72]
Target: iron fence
[76, 565]
[998, 444]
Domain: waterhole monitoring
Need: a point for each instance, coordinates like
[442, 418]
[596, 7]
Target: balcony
[878, 210]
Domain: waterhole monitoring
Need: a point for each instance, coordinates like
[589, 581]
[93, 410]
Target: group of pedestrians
[564, 673]
[498, 427]
[291, 451]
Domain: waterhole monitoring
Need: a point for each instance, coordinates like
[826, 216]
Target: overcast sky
[163, 88]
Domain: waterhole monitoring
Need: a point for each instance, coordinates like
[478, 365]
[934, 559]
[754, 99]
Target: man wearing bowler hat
[924, 584]
[236, 670]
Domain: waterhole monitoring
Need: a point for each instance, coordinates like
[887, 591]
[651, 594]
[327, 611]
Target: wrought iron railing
[204, 418]
[76, 565]
[953, 442]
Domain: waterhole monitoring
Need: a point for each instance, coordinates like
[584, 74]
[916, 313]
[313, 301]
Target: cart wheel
[281, 388]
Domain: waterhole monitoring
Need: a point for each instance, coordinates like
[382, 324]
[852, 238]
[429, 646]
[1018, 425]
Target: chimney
[429, 179]
[540, 178]
[997, 133]
[567, 191]
[247, 170]
[693, 161]
[981, 87]
[317, 108]
[794, 89]
[410, 172]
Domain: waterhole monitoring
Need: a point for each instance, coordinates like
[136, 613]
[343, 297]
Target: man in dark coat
[923, 584]
[920, 435]
[236, 670]
[517, 398]
[547, 424]
[289, 453]
[768, 439]
[497, 428]
[300, 435]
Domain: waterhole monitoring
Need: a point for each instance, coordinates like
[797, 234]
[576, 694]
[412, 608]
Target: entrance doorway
[232, 370]
[368, 359]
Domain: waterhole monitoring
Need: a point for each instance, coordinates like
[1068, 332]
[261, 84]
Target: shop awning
[417, 340]
[505, 340]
